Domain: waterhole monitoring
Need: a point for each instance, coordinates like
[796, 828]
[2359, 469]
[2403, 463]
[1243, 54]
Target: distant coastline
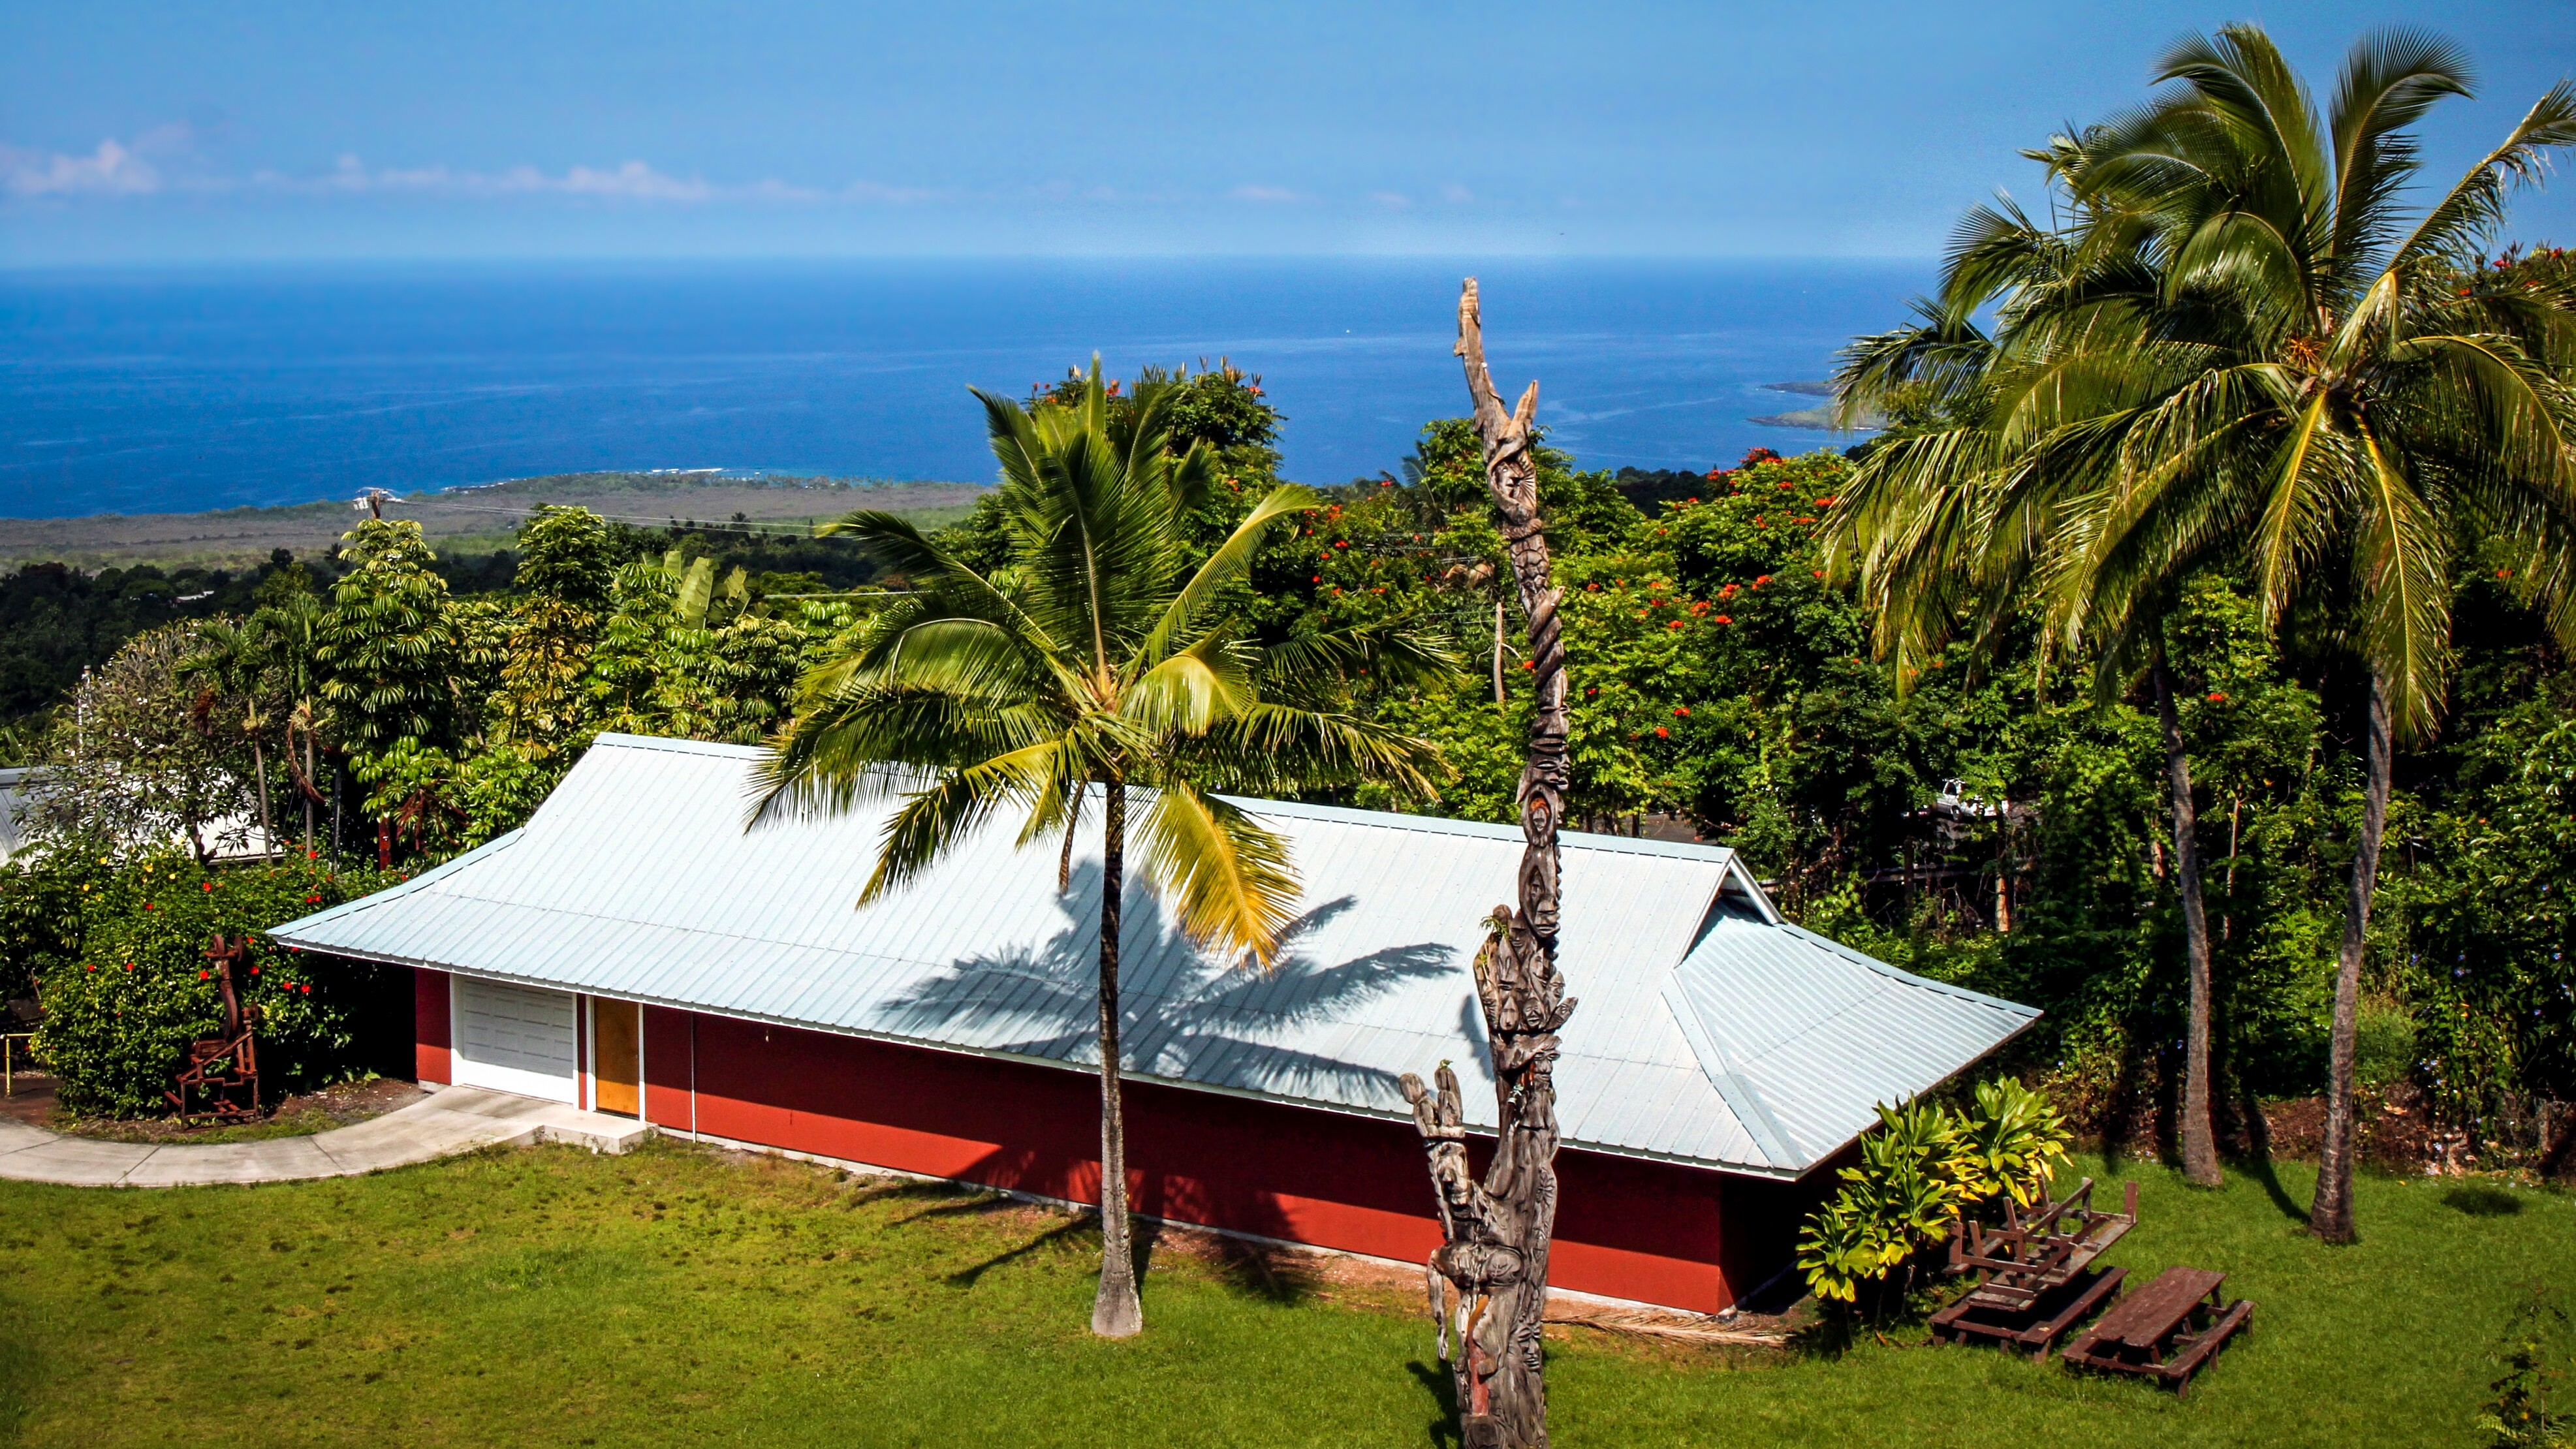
[1816, 419]
[471, 519]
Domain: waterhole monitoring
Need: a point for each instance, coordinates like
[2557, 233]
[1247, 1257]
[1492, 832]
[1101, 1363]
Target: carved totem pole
[1490, 1277]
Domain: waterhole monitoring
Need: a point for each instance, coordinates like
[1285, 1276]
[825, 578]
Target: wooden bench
[2168, 1330]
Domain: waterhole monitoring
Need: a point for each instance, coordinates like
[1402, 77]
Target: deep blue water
[139, 392]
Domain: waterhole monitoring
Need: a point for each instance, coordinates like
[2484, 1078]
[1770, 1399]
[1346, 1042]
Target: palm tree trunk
[2330, 1216]
[308, 791]
[259, 766]
[2193, 1136]
[1115, 1313]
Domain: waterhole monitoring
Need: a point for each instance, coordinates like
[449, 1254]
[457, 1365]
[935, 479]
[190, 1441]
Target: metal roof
[1708, 1031]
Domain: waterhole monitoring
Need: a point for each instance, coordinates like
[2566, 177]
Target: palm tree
[1097, 661]
[293, 629]
[2236, 350]
[233, 659]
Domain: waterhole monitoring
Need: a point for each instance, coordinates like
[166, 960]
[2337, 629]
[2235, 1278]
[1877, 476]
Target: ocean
[142, 392]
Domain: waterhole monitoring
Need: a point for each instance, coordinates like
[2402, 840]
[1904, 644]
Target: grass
[679, 1296]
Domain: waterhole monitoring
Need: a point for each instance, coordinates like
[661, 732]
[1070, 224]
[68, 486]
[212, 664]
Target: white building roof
[1709, 1031]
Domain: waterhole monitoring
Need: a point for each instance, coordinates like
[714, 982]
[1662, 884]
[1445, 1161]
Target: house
[634, 949]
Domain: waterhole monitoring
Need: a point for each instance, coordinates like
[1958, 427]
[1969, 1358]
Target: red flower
[1529, 664]
[308, 990]
[1662, 733]
[312, 900]
[210, 885]
[1681, 711]
[2504, 573]
[1820, 573]
[1317, 579]
[202, 975]
[1760, 580]
[1675, 624]
[2217, 698]
[1723, 619]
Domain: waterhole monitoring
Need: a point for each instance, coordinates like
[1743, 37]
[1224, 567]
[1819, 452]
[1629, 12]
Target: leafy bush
[1925, 1167]
[2521, 1415]
[2383, 1042]
[118, 1020]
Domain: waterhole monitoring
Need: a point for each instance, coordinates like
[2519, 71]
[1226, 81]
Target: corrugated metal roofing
[1708, 1031]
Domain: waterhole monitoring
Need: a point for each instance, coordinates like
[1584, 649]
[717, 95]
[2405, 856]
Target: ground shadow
[1443, 1388]
[2481, 1201]
[1085, 1226]
[2261, 1169]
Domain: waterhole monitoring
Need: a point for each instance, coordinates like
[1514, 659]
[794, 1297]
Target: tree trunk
[308, 791]
[1494, 1259]
[2330, 1216]
[1115, 1313]
[2193, 1135]
[259, 767]
[1499, 700]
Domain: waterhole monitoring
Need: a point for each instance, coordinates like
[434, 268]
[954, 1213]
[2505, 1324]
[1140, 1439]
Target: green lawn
[677, 1296]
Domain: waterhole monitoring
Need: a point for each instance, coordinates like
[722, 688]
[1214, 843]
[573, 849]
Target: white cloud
[1391, 200]
[633, 181]
[1268, 195]
[114, 169]
[1456, 194]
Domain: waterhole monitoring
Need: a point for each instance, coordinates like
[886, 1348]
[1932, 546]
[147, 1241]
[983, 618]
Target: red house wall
[1626, 1228]
[430, 1039]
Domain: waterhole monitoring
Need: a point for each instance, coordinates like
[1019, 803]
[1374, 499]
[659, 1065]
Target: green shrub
[2383, 1046]
[119, 1019]
[1924, 1167]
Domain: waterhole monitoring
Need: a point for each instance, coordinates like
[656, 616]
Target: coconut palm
[2236, 349]
[233, 661]
[1096, 670]
[292, 628]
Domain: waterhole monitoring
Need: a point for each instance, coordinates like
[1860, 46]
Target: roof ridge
[1909, 978]
[401, 889]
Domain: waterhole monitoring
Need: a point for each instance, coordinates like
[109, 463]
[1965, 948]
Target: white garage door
[514, 1039]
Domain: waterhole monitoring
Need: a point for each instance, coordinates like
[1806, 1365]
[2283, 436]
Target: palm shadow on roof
[1184, 1015]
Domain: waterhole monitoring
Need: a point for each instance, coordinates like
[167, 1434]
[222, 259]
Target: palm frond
[1228, 878]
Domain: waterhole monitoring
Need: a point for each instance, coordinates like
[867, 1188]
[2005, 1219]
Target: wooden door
[617, 1057]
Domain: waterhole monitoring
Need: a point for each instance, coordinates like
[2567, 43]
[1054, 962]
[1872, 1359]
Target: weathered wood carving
[1490, 1277]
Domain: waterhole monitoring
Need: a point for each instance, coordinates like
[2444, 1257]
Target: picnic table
[2035, 1278]
[2027, 1258]
[2168, 1330]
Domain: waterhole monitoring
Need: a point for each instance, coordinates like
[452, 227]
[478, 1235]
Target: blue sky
[139, 132]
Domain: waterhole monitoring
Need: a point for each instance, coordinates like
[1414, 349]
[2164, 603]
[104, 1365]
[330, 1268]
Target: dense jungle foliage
[1997, 825]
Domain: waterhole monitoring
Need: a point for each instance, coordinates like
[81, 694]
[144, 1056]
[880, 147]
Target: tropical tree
[138, 761]
[389, 648]
[291, 626]
[233, 660]
[1099, 661]
[2237, 350]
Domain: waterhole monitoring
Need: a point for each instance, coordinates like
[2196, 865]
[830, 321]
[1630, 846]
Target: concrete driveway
[449, 1121]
